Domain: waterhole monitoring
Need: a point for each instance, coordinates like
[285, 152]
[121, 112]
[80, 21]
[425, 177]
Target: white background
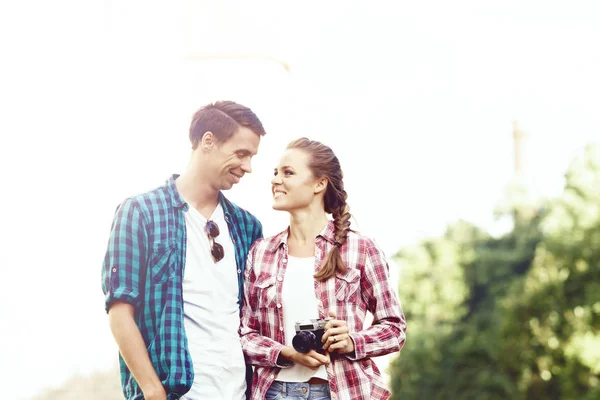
[417, 100]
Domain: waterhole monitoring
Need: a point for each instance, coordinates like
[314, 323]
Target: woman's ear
[321, 185]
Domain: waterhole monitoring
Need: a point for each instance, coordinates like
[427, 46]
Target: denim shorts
[296, 391]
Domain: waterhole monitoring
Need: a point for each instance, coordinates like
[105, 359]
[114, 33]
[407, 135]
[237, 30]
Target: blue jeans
[297, 391]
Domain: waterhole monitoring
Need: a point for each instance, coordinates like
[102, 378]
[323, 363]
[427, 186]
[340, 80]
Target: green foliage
[515, 317]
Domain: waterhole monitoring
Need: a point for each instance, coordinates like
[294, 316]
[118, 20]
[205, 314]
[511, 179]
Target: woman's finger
[312, 359]
[344, 345]
[334, 323]
[321, 358]
[338, 330]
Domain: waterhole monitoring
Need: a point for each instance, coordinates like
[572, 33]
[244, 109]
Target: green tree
[553, 315]
[514, 317]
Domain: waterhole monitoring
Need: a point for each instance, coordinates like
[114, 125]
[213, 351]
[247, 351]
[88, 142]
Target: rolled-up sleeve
[125, 255]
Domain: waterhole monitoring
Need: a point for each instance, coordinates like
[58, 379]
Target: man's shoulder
[149, 201]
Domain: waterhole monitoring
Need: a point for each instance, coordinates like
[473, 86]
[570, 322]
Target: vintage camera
[309, 334]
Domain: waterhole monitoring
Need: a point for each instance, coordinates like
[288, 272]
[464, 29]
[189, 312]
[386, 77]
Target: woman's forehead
[294, 157]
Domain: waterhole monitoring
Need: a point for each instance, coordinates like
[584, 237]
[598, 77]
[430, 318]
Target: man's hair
[223, 119]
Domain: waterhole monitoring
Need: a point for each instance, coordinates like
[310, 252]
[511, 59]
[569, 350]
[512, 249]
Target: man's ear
[321, 185]
[208, 141]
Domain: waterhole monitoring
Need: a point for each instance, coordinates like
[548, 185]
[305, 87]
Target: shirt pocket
[163, 262]
[266, 290]
[347, 286]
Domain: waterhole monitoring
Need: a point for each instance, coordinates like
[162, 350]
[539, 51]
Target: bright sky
[416, 98]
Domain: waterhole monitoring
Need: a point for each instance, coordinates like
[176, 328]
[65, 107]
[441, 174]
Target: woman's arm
[388, 330]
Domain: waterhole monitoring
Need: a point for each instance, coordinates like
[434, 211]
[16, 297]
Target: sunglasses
[212, 229]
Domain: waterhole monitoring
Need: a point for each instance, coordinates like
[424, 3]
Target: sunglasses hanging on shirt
[212, 230]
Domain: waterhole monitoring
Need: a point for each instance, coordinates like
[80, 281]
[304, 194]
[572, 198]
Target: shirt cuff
[126, 295]
[283, 363]
[359, 347]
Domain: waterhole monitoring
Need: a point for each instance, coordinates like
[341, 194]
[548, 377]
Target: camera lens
[304, 341]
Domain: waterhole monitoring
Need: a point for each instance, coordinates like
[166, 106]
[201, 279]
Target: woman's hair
[324, 164]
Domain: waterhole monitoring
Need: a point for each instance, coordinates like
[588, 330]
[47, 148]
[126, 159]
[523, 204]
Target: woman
[317, 268]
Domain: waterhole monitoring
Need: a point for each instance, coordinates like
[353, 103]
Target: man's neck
[198, 193]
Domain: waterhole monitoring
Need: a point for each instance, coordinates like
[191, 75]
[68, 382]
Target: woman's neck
[304, 228]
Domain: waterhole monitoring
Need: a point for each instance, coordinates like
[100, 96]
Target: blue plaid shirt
[144, 266]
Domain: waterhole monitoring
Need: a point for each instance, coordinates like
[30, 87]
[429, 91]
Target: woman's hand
[336, 337]
[312, 359]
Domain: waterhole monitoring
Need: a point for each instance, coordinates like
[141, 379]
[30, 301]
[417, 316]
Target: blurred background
[468, 132]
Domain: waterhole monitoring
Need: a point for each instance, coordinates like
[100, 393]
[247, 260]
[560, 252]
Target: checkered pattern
[144, 266]
[364, 287]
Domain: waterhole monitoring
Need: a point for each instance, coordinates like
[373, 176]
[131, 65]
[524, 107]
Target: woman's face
[293, 185]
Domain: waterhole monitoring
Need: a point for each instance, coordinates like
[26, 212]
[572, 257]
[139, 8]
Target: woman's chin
[278, 206]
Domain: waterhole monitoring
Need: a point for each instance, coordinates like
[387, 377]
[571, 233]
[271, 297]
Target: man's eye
[288, 173]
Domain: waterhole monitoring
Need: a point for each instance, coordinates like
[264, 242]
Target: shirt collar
[328, 232]
[178, 201]
[176, 198]
[281, 238]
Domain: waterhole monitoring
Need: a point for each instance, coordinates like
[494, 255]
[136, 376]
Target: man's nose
[247, 166]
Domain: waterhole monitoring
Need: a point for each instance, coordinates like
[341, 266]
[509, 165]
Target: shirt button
[303, 390]
[281, 328]
[284, 260]
[279, 278]
[272, 377]
[239, 271]
[114, 270]
[278, 305]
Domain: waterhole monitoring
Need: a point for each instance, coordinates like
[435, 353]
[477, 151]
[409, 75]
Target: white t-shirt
[299, 303]
[210, 304]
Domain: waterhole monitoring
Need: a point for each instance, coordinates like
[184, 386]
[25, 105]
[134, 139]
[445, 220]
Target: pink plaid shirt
[364, 287]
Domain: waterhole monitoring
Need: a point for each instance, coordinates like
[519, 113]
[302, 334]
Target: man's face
[230, 160]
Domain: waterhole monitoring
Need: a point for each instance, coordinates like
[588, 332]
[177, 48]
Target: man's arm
[122, 275]
[133, 350]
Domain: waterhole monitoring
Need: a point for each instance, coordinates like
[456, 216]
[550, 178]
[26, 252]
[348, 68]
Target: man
[173, 270]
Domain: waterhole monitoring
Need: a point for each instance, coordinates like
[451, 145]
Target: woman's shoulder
[356, 236]
[363, 242]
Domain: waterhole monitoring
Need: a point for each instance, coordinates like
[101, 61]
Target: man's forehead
[243, 140]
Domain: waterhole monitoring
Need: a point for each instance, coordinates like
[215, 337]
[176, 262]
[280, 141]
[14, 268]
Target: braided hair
[324, 164]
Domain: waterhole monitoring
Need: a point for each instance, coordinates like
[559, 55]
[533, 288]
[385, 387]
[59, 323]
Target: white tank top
[299, 303]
